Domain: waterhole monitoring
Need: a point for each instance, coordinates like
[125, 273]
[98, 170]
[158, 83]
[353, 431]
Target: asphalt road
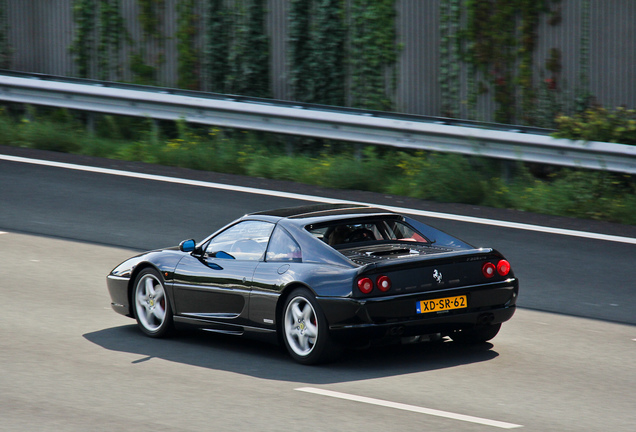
[69, 363]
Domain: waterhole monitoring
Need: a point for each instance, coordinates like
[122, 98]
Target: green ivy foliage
[373, 53]
[324, 33]
[256, 66]
[530, 11]
[144, 70]
[237, 48]
[83, 42]
[99, 38]
[450, 21]
[491, 49]
[187, 60]
[583, 97]
[316, 44]
[217, 46]
[111, 38]
[150, 12]
[300, 50]
[499, 41]
[329, 48]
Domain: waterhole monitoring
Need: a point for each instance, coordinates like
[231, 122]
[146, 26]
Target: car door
[271, 276]
[215, 285]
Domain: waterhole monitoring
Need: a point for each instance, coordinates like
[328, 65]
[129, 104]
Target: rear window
[347, 232]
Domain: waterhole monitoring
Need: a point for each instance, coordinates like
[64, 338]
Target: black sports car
[319, 277]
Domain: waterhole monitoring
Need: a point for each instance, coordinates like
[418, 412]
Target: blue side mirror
[187, 246]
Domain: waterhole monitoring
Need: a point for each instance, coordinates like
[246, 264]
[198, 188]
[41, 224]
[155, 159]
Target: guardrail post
[507, 167]
[90, 123]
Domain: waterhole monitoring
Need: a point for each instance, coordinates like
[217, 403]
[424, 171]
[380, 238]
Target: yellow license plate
[442, 304]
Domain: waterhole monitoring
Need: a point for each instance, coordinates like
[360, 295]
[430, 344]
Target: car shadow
[268, 361]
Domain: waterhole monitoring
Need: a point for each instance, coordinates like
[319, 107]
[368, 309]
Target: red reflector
[384, 283]
[488, 270]
[503, 267]
[365, 285]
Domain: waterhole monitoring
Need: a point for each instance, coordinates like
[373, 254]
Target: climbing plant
[584, 97]
[256, 61]
[144, 68]
[498, 42]
[328, 48]
[529, 21]
[150, 12]
[317, 49]
[111, 33]
[373, 53]
[490, 34]
[450, 19]
[82, 47]
[99, 38]
[300, 50]
[216, 68]
[248, 52]
[187, 57]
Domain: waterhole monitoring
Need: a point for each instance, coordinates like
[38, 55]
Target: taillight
[383, 283]
[503, 267]
[365, 285]
[488, 270]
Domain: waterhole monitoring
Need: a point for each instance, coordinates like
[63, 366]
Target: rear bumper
[397, 316]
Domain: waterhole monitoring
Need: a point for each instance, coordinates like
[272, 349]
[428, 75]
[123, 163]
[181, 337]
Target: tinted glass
[244, 241]
[283, 248]
[366, 231]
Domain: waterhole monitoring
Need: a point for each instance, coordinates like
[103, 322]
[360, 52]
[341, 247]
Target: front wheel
[305, 330]
[151, 305]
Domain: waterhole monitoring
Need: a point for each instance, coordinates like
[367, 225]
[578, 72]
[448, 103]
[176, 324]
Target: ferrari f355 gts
[319, 278]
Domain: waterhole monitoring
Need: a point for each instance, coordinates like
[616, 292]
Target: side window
[244, 241]
[283, 248]
[400, 231]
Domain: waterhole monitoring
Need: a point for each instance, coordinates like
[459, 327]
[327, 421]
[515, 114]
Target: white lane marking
[313, 198]
[2, 232]
[412, 408]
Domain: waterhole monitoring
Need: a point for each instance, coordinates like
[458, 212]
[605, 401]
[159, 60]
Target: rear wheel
[477, 334]
[151, 305]
[305, 330]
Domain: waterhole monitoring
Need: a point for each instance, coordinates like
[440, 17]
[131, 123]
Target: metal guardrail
[368, 127]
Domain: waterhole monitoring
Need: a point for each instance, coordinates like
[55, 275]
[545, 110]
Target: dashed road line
[411, 408]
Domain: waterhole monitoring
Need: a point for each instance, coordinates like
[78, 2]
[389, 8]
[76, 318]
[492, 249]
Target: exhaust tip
[485, 319]
[396, 331]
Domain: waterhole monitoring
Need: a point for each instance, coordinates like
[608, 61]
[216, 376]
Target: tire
[476, 335]
[151, 305]
[305, 331]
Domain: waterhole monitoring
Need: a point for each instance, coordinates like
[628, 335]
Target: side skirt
[222, 327]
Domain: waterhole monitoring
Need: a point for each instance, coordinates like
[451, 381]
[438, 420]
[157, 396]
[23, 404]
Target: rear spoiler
[434, 259]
